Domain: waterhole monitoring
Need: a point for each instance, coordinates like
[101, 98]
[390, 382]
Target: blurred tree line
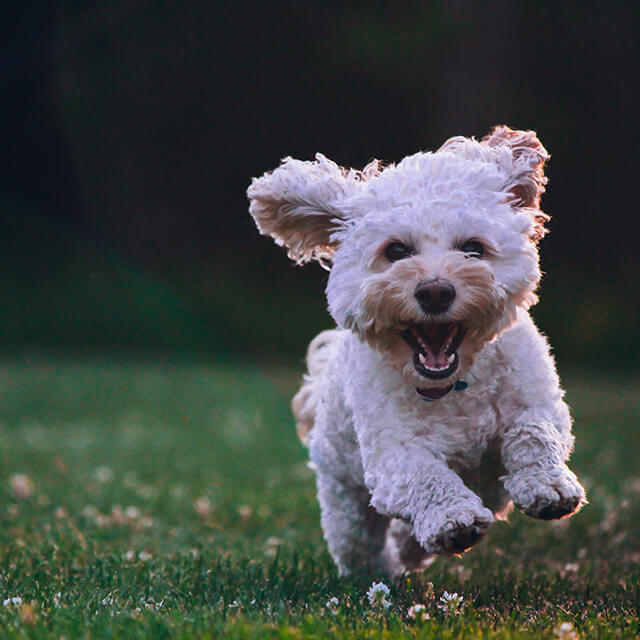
[132, 128]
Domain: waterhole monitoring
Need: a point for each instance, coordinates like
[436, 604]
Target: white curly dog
[435, 404]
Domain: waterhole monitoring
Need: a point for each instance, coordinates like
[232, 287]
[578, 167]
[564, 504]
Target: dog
[435, 405]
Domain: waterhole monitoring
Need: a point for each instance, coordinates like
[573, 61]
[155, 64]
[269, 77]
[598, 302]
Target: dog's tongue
[435, 359]
[435, 339]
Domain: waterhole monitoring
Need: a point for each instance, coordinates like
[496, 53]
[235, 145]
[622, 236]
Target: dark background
[131, 129]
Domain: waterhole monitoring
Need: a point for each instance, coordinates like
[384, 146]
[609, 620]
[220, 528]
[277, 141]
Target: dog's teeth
[423, 360]
[452, 357]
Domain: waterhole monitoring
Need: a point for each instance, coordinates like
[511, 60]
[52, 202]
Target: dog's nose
[435, 296]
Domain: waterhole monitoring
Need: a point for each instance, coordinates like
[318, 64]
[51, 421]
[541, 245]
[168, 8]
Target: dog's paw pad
[459, 537]
[548, 494]
[546, 510]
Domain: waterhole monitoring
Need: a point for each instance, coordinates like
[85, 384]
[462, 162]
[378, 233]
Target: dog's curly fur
[434, 265]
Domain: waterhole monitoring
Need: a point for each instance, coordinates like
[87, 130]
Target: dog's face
[431, 258]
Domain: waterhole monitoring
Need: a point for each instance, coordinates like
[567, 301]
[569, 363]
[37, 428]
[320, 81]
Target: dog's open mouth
[435, 346]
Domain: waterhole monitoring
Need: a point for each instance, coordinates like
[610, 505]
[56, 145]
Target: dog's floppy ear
[298, 204]
[526, 173]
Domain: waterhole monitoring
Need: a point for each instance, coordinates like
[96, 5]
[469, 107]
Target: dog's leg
[451, 518]
[416, 486]
[402, 552]
[538, 480]
[536, 437]
[354, 531]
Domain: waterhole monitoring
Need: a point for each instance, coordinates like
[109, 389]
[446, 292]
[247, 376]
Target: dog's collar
[458, 385]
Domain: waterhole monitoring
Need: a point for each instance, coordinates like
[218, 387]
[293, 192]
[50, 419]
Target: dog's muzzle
[435, 346]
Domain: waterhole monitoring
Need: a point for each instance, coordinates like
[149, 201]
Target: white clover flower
[377, 595]
[56, 600]
[107, 602]
[132, 513]
[332, 604]
[60, 513]
[90, 512]
[244, 511]
[21, 486]
[451, 604]
[418, 612]
[565, 631]
[15, 602]
[103, 474]
[144, 556]
[203, 507]
[130, 555]
[152, 604]
[272, 545]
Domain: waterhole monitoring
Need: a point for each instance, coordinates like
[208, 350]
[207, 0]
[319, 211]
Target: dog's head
[430, 258]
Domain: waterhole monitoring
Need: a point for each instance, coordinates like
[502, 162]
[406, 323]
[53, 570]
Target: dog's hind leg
[305, 402]
[402, 552]
[355, 531]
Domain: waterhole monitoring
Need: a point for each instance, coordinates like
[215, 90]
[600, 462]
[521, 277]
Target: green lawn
[172, 500]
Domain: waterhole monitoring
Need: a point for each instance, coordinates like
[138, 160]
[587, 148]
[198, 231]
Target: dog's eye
[397, 251]
[473, 248]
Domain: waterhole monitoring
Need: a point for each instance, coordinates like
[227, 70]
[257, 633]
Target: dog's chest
[459, 427]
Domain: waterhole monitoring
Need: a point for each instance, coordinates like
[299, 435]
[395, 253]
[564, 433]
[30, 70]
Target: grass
[172, 500]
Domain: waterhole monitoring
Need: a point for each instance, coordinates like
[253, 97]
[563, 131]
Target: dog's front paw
[456, 530]
[546, 493]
